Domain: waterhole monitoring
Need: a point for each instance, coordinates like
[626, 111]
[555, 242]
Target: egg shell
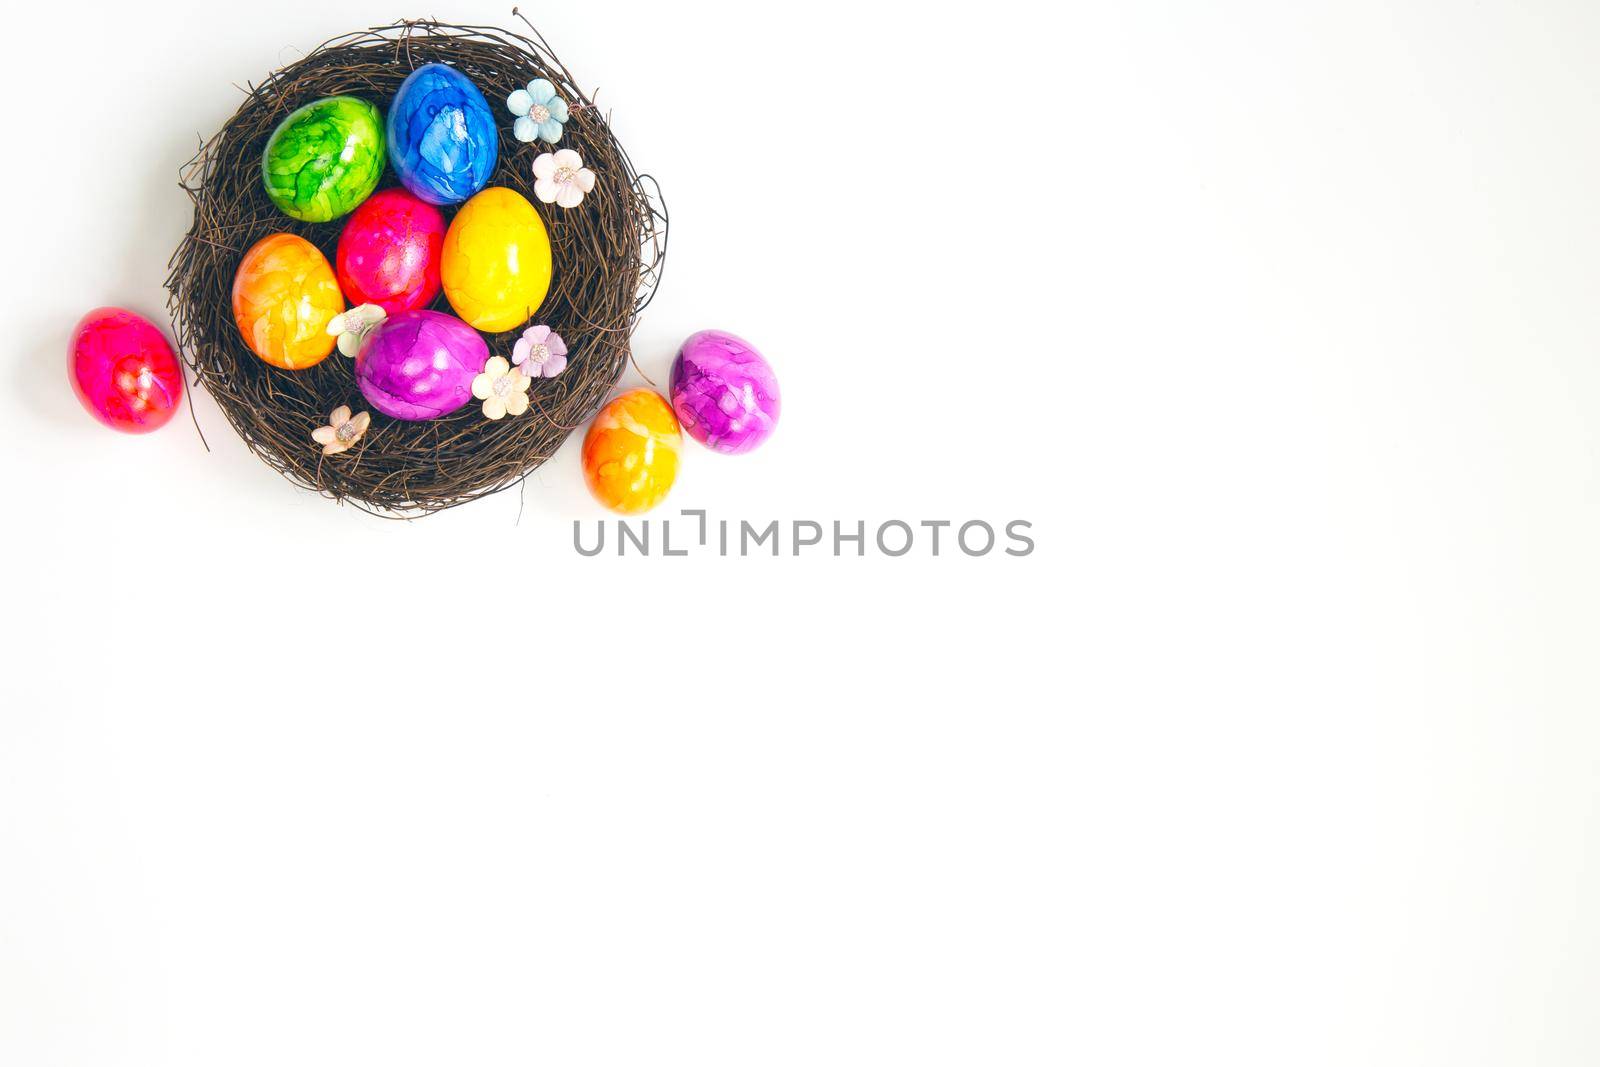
[630, 454]
[442, 139]
[496, 265]
[325, 158]
[420, 365]
[283, 296]
[123, 370]
[724, 393]
[389, 252]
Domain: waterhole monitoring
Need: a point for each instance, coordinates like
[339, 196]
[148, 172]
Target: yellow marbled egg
[496, 265]
[283, 296]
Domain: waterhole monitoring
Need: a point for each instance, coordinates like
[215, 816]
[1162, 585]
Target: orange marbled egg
[630, 454]
[283, 296]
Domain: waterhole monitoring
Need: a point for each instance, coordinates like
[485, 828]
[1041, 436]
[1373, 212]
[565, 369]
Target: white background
[1276, 320]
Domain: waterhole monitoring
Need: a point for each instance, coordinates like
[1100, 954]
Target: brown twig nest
[608, 255]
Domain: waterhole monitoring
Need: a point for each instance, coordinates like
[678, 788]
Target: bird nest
[608, 254]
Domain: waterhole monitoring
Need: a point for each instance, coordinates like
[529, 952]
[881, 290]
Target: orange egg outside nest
[630, 454]
[283, 296]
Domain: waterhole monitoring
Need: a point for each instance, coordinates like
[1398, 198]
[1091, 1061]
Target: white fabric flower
[562, 179]
[504, 391]
[351, 327]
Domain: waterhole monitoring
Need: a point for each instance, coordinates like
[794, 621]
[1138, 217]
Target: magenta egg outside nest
[724, 392]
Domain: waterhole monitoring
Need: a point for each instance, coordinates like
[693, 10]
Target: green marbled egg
[325, 158]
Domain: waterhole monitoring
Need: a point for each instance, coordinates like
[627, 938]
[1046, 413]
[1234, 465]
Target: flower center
[538, 354]
[539, 114]
[566, 175]
[346, 432]
[502, 387]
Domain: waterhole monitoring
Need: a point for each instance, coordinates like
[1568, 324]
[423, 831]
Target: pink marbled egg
[389, 252]
[123, 370]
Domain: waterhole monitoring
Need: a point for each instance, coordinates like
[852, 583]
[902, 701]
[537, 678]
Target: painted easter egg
[630, 454]
[724, 393]
[324, 159]
[283, 296]
[442, 140]
[420, 364]
[123, 370]
[389, 252]
[496, 265]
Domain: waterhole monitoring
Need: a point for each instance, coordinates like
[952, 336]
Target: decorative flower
[342, 432]
[504, 391]
[540, 352]
[540, 112]
[351, 327]
[562, 178]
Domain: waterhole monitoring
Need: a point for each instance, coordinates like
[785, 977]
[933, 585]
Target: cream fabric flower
[504, 391]
[342, 432]
[561, 178]
[351, 327]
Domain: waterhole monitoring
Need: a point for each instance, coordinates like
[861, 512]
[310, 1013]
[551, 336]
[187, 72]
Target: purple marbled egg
[420, 364]
[724, 393]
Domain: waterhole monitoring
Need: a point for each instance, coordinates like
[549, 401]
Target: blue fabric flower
[540, 112]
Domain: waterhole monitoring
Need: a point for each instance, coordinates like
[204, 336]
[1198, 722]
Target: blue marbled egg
[442, 140]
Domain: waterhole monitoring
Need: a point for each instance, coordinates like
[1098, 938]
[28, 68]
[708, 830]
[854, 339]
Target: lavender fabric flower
[540, 352]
